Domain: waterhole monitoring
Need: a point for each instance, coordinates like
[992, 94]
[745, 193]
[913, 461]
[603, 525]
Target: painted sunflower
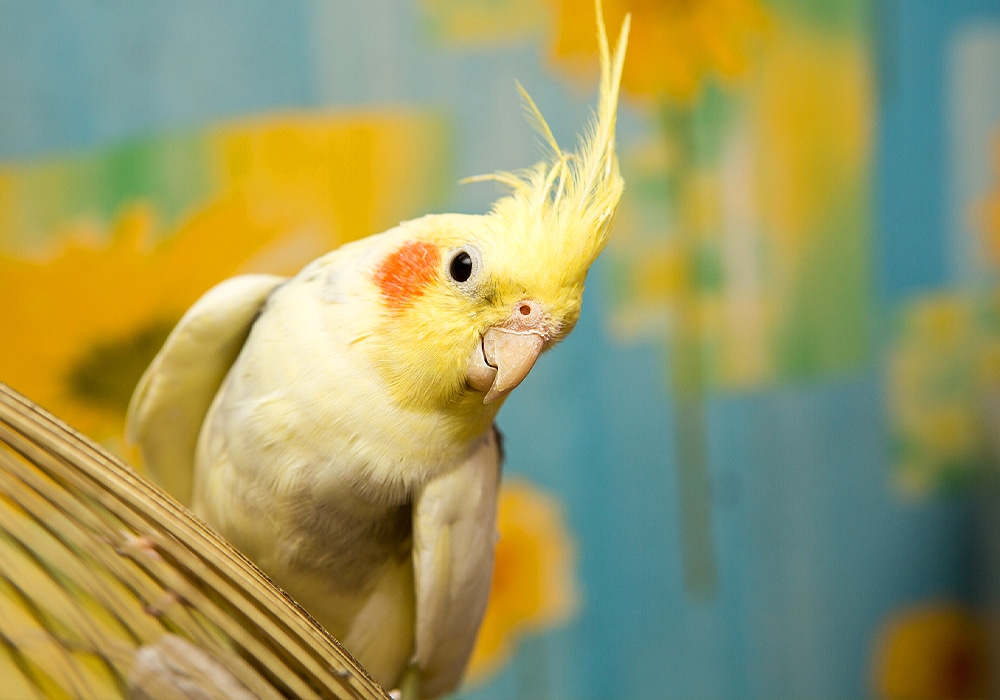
[674, 46]
[94, 302]
[937, 650]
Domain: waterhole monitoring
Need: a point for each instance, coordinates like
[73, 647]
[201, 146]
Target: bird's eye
[460, 267]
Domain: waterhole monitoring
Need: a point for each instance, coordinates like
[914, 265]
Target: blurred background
[764, 463]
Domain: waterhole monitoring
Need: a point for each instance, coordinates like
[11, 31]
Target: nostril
[525, 310]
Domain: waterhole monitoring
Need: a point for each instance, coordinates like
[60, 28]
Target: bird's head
[476, 299]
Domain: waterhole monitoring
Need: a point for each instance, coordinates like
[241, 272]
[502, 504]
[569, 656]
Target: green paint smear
[709, 275]
[171, 171]
[840, 16]
[957, 477]
[827, 330]
[701, 130]
[713, 116]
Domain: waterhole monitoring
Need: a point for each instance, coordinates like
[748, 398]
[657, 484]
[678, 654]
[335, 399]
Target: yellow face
[468, 310]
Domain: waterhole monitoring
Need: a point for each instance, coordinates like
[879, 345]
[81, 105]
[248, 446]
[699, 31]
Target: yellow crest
[570, 199]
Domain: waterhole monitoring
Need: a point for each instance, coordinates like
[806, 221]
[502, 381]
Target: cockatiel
[337, 427]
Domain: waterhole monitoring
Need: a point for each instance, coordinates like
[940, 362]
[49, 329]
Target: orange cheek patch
[404, 274]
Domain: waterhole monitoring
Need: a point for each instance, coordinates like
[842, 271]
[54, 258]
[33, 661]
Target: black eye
[461, 266]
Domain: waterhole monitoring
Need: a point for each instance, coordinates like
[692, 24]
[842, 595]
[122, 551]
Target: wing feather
[454, 539]
[173, 396]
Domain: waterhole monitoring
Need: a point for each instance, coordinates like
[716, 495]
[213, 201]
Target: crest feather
[571, 197]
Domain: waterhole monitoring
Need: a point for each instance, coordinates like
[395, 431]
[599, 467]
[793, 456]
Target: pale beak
[504, 358]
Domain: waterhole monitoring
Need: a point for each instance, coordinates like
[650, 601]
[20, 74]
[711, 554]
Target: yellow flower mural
[937, 650]
[944, 363]
[737, 210]
[534, 579]
[933, 393]
[675, 45]
[93, 302]
[737, 243]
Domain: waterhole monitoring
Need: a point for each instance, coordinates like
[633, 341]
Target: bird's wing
[173, 396]
[111, 588]
[454, 537]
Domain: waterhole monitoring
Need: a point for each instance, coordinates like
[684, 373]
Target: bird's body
[338, 426]
[341, 467]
